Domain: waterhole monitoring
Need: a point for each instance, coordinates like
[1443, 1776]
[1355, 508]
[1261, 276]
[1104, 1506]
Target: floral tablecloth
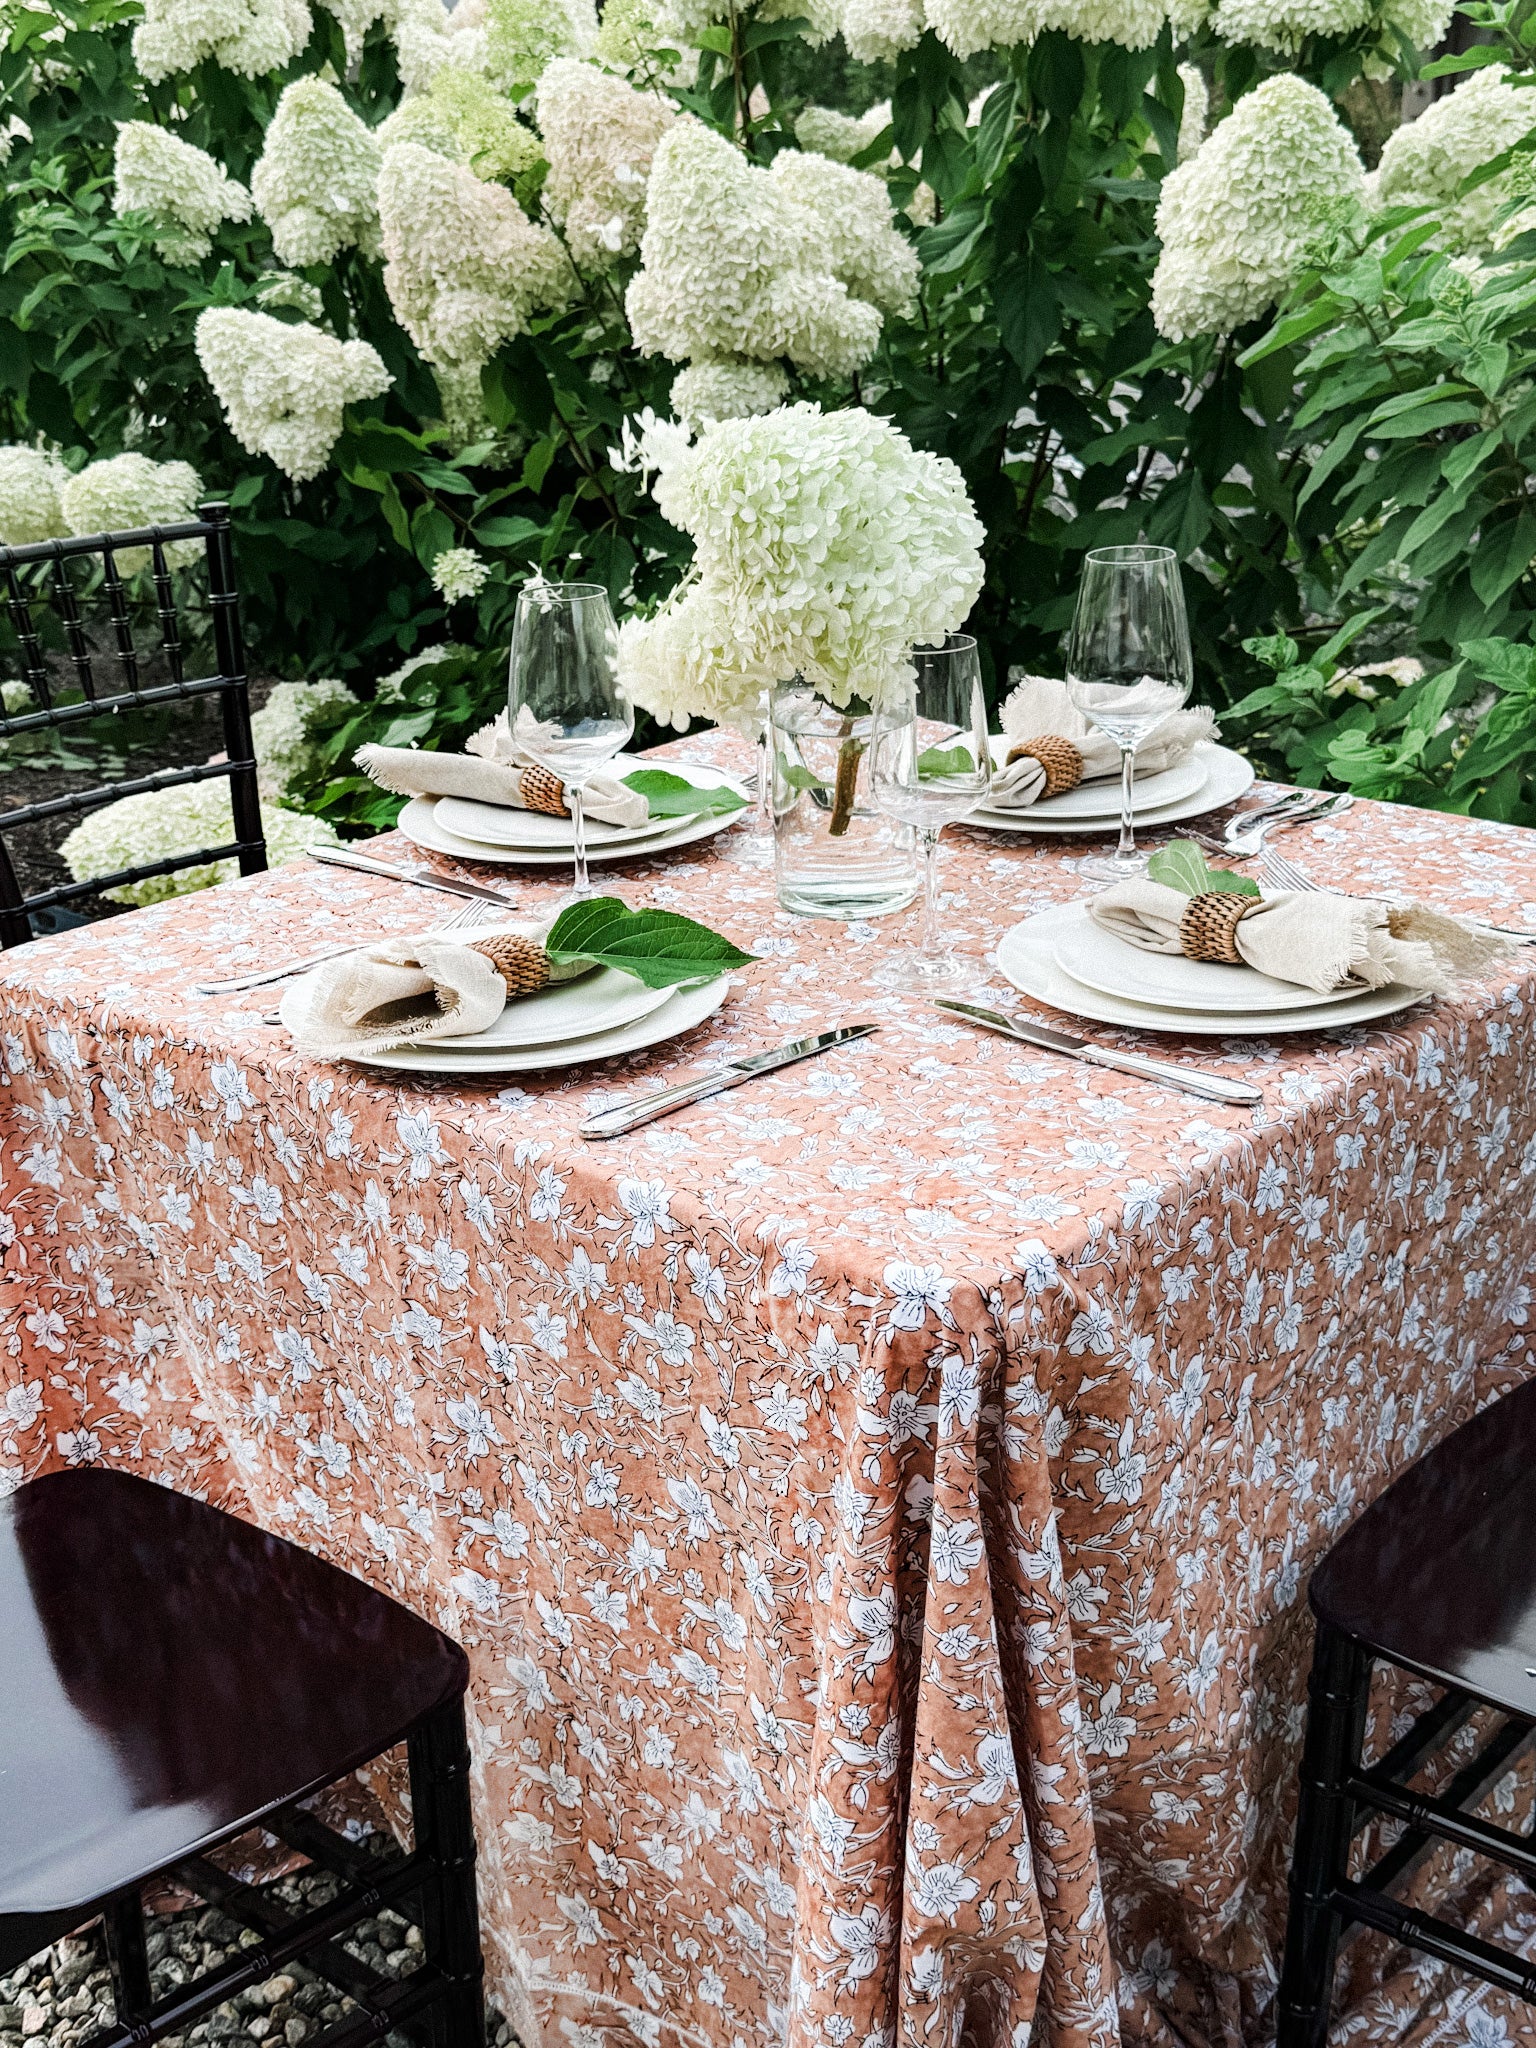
[878, 1502]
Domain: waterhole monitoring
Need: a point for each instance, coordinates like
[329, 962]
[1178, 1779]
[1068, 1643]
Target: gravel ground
[64, 1996]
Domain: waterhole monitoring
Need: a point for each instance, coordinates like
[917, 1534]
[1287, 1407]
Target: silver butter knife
[613, 1123]
[1212, 1086]
[421, 878]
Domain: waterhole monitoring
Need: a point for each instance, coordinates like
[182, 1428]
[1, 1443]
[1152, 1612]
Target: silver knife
[613, 1123]
[1190, 1079]
[421, 877]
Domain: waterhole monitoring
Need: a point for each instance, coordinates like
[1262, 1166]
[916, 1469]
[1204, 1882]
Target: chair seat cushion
[1439, 1574]
[169, 1674]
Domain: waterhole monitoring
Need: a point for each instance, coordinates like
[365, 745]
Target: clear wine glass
[566, 710]
[1128, 666]
[930, 766]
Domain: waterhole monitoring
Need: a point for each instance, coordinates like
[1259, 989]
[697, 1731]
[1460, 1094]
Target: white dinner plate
[1227, 777]
[419, 824]
[684, 1008]
[1027, 957]
[536, 831]
[1114, 967]
[1101, 799]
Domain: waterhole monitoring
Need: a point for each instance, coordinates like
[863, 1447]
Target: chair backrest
[36, 579]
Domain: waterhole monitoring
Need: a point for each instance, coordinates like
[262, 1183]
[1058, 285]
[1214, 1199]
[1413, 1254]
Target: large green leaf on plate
[674, 796]
[658, 947]
[1181, 865]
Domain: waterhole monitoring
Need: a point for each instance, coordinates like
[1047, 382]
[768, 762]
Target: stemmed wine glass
[1128, 666]
[930, 766]
[564, 704]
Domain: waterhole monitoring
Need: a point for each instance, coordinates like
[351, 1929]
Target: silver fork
[470, 914]
[1281, 873]
[1246, 834]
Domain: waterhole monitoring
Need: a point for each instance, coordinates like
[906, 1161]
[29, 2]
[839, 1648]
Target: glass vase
[834, 853]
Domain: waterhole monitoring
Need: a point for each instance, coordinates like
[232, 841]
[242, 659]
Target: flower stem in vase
[845, 788]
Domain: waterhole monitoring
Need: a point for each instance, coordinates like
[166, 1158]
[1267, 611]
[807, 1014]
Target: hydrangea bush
[406, 286]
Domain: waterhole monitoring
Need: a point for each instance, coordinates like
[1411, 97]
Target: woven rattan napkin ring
[1062, 762]
[522, 963]
[543, 791]
[1208, 928]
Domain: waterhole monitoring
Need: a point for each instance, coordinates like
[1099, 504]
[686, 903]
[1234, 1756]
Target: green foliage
[658, 947]
[674, 796]
[1181, 865]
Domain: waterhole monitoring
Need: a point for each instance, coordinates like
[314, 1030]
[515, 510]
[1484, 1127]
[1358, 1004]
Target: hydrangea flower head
[465, 268]
[460, 573]
[524, 37]
[1197, 107]
[599, 136]
[840, 136]
[427, 37]
[180, 186]
[733, 264]
[971, 25]
[30, 482]
[826, 546]
[1425, 161]
[877, 31]
[316, 179]
[631, 36]
[852, 211]
[282, 732]
[163, 822]
[128, 491]
[1285, 25]
[726, 391]
[250, 37]
[283, 387]
[1236, 220]
[467, 120]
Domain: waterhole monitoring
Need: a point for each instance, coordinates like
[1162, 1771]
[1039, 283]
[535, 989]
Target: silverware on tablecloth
[471, 914]
[614, 1123]
[419, 877]
[1214, 1087]
[1245, 834]
[1281, 873]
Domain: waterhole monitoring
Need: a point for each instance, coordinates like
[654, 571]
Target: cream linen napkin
[491, 772]
[1340, 944]
[416, 991]
[1040, 708]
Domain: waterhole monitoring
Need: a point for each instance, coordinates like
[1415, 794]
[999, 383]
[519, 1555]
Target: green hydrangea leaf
[674, 796]
[658, 947]
[1181, 865]
[934, 761]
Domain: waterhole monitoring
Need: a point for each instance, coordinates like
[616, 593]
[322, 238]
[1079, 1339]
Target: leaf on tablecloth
[658, 947]
[674, 796]
[1181, 865]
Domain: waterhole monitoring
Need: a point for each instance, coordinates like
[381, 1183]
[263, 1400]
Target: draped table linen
[877, 1502]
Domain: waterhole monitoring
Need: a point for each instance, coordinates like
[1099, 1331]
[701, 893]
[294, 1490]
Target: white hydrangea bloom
[286, 288]
[163, 822]
[599, 136]
[1426, 160]
[427, 37]
[464, 118]
[282, 732]
[251, 37]
[179, 185]
[859, 243]
[840, 136]
[1284, 25]
[683, 23]
[524, 37]
[130, 490]
[465, 268]
[724, 390]
[356, 18]
[283, 387]
[971, 25]
[1236, 219]
[1197, 107]
[733, 265]
[390, 689]
[826, 546]
[316, 179]
[460, 573]
[631, 34]
[877, 31]
[1423, 22]
[30, 510]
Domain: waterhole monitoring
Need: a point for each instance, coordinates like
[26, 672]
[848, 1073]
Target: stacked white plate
[1061, 957]
[495, 832]
[1211, 776]
[597, 1017]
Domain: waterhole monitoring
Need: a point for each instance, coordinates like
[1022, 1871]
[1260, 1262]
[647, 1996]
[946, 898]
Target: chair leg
[444, 1827]
[1338, 1695]
[128, 1958]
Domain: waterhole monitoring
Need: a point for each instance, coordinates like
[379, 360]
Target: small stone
[33, 2020]
[312, 1998]
[414, 1938]
[10, 2019]
[77, 2005]
[258, 2029]
[295, 2030]
[275, 1990]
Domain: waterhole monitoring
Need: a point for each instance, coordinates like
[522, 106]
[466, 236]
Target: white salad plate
[1027, 957]
[1101, 799]
[537, 832]
[1226, 777]
[418, 822]
[677, 1011]
[1114, 967]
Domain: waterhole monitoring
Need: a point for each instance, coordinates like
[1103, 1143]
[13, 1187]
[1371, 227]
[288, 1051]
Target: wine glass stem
[581, 887]
[1126, 850]
[933, 944]
[764, 785]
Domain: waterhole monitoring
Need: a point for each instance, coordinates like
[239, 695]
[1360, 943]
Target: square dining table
[877, 1502]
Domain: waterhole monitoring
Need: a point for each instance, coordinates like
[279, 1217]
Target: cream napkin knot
[413, 991]
[496, 770]
[1039, 708]
[1334, 944]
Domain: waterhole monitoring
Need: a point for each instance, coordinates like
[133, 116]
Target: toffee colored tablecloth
[807, 1472]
